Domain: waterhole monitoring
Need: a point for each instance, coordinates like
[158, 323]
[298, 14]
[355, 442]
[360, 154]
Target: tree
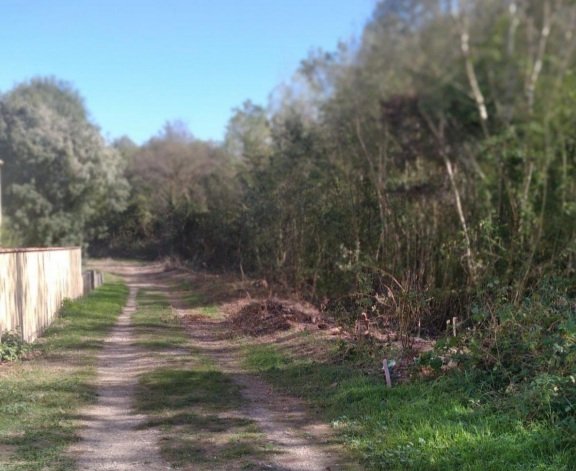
[248, 135]
[168, 175]
[61, 177]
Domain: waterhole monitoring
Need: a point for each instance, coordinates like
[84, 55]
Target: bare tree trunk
[510, 49]
[462, 20]
[439, 135]
[469, 256]
[539, 59]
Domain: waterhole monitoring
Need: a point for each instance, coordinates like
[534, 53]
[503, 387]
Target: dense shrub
[524, 353]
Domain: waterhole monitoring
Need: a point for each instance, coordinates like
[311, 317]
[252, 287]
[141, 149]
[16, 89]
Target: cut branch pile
[269, 316]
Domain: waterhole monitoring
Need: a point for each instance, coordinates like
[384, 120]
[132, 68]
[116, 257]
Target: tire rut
[112, 436]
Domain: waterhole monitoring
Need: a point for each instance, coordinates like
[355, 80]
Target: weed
[210, 310]
[12, 347]
[526, 352]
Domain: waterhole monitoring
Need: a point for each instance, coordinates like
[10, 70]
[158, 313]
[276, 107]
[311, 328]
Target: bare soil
[114, 438]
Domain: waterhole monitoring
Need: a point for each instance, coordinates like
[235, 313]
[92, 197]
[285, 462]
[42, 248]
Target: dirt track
[113, 437]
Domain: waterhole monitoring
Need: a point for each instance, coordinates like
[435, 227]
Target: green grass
[39, 398]
[442, 424]
[198, 303]
[266, 358]
[210, 310]
[157, 327]
[196, 300]
[192, 403]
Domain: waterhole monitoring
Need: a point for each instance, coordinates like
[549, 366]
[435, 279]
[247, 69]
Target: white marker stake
[386, 373]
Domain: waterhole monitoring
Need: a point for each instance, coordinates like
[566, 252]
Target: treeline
[431, 161]
[425, 166]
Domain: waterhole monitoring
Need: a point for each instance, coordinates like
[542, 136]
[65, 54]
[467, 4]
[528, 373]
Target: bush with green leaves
[12, 347]
[524, 352]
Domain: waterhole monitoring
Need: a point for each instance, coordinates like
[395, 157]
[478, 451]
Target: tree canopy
[60, 176]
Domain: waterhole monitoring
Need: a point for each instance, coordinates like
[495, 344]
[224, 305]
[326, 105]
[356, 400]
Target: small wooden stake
[454, 319]
[386, 372]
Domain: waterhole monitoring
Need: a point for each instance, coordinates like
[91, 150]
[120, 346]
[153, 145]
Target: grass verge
[40, 397]
[196, 407]
[442, 424]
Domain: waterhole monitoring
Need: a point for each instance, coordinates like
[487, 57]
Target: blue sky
[139, 63]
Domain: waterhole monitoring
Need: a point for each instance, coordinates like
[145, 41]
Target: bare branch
[469, 255]
[470, 71]
[438, 132]
[513, 10]
[539, 61]
[514, 23]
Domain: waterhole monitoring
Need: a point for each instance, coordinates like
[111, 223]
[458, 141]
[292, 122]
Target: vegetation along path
[169, 397]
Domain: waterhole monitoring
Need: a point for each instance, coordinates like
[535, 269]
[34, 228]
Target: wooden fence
[33, 285]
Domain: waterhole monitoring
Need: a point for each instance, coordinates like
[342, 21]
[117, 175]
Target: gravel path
[113, 437]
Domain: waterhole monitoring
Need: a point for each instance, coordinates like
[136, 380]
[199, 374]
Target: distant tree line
[428, 163]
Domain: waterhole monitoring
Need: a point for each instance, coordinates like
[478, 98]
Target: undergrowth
[12, 347]
[507, 401]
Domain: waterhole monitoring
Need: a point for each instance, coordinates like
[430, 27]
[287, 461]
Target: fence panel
[33, 284]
